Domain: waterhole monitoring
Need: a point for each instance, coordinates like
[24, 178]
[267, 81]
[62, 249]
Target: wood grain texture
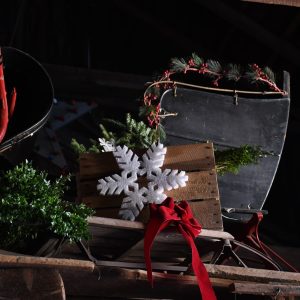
[295, 3]
[270, 289]
[15, 261]
[188, 157]
[196, 159]
[96, 223]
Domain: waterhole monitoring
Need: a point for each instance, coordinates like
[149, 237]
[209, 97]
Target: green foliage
[80, 148]
[31, 206]
[198, 61]
[178, 64]
[234, 72]
[214, 66]
[133, 134]
[231, 160]
[269, 73]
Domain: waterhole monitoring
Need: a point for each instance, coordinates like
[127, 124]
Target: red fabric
[181, 215]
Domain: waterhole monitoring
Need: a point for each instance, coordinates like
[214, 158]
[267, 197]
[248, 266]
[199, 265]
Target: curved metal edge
[33, 129]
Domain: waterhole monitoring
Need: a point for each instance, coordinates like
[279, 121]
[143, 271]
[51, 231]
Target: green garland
[209, 68]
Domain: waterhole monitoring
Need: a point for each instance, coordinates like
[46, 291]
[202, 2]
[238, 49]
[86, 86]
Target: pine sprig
[196, 60]
[231, 160]
[178, 65]
[132, 133]
[255, 74]
[233, 72]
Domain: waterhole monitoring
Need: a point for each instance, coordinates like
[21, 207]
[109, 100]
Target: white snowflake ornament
[158, 180]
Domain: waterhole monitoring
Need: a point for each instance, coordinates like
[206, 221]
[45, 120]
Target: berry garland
[209, 68]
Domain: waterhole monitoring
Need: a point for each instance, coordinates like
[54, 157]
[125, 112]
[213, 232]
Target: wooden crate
[201, 190]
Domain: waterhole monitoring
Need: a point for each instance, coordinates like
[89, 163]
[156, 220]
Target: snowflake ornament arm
[133, 204]
[153, 159]
[116, 184]
[126, 159]
[169, 179]
[108, 146]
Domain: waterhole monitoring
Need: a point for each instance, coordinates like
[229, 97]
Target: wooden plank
[295, 3]
[120, 282]
[208, 213]
[139, 226]
[250, 274]
[31, 284]
[15, 261]
[201, 185]
[265, 289]
[124, 283]
[184, 157]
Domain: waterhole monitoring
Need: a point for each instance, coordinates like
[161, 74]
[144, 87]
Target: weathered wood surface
[270, 289]
[99, 222]
[15, 261]
[295, 3]
[121, 240]
[251, 274]
[33, 284]
[124, 283]
[201, 189]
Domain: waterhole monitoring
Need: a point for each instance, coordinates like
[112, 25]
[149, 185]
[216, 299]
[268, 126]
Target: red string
[181, 215]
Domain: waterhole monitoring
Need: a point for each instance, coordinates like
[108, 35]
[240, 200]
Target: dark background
[140, 37]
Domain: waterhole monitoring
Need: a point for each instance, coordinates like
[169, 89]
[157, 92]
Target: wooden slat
[201, 185]
[208, 213]
[98, 222]
[265, 289]
[295, 3]
[15, 261]
[188, 157]
[250, 274]
[124, 283]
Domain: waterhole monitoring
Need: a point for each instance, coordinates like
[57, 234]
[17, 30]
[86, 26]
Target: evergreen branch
[270, 74]
[178, 65]
[231, 160]
[234, 72]
[214, 67]
[77, 148]
[196, 60]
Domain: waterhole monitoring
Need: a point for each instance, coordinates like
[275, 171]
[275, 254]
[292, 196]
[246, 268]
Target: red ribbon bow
[180, 214]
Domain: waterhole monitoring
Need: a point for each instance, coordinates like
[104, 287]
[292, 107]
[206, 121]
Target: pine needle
[198, 61]
[178, 65]
[269, 73]
[231, 160]
[234, 72]
[214, 66]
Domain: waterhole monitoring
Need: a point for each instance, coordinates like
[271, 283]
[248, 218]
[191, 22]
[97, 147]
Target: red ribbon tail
[204, 283]
[153, 228]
